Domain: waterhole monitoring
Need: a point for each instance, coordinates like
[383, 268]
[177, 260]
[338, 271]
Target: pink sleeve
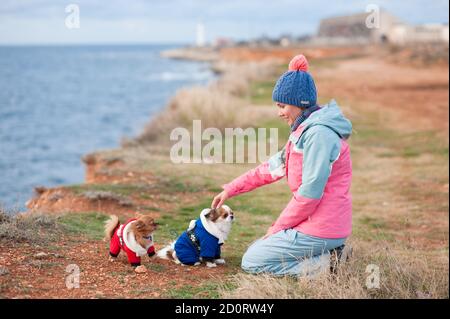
[297, 210]
[252, 179]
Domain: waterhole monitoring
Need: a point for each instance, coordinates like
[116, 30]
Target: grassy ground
[400, 198]
[400, 192]
[400, 204]
[400, 212]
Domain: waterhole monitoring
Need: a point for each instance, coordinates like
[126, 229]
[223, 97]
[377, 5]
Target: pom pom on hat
[299, 63]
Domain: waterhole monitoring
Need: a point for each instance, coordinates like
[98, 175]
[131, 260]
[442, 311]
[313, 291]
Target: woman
[316, 161]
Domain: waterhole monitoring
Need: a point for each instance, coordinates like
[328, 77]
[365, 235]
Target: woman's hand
[219, 199]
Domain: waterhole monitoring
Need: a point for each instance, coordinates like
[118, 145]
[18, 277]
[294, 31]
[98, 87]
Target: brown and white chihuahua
[202, 240]
[135, 237]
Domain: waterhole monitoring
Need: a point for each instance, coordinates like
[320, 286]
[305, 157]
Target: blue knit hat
[296, 86]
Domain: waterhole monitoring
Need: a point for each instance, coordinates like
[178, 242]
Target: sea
[58, 103]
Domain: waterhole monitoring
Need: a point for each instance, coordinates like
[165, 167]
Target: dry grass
[220, 105]
[214, 107]
[419, 54]
[402, 274]
[31, 228]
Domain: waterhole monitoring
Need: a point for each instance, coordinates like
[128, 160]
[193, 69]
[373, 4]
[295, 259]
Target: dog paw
[140, 269]
[197, 263]
[210, 264]
[111, 259]
[219, 261]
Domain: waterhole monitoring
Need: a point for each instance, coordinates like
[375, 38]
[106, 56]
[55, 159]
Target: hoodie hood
[330, 115]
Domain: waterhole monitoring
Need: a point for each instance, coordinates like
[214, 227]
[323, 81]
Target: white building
[426, 33]
[363, 29]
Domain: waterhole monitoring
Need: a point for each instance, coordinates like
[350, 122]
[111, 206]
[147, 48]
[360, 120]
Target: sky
[175, 21]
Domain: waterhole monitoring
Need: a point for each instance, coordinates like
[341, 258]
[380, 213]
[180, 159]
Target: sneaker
[339, 255]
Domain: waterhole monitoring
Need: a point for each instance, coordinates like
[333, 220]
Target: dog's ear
[208, 213]
[212, 214]
[139, 224]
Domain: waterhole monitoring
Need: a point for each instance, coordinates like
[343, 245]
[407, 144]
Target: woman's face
[288, 112]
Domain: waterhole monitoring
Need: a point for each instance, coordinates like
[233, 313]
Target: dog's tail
[110, 226]
[167, 252]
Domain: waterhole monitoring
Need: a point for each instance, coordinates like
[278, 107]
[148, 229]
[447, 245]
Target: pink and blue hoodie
[316, 162]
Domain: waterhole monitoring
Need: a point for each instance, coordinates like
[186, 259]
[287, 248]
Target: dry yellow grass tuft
[401, 274]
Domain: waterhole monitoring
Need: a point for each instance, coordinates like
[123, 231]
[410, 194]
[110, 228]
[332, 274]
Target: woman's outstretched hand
[219, 199]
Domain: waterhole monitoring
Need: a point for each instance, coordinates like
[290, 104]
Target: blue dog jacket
[189, 253]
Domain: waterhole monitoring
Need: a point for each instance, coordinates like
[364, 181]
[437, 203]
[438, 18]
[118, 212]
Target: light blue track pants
[289, 252]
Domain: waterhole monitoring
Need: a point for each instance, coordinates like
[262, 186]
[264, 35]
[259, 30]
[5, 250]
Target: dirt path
[40, 272]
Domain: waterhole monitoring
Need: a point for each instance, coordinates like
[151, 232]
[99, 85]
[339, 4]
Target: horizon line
[61, 44]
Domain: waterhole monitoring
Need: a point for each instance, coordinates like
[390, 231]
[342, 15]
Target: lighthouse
[200, 38]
